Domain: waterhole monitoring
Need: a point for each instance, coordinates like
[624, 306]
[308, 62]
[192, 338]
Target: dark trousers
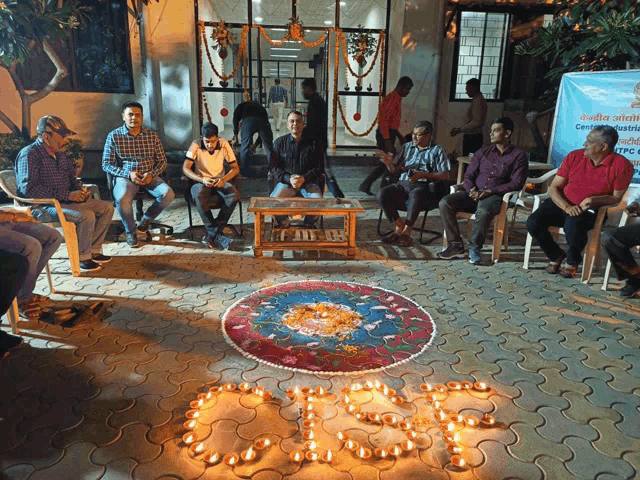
[617, 244]
[412, 197]
[250, 126]
[379, 169]
[13, 272]
[471, 143]
[206, 198]
[485, 210]
[576, 231]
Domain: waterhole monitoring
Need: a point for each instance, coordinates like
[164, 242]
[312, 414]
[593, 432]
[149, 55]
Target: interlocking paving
[106, 399]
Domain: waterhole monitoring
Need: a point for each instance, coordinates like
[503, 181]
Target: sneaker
[453, 250]
[222, 241]
[90, 265]
[132, 240]
[209, 242]
[569, 271]
[474, 256]
[629, 290]
[143, 226]
[100, 258]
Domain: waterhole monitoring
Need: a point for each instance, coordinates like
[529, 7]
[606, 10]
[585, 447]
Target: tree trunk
[28, 99]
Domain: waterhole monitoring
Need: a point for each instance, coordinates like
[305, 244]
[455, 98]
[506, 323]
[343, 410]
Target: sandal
[30, 310]
[405, 241]
[391, 238]
[554, 267]
[569, 271]
[35, 298]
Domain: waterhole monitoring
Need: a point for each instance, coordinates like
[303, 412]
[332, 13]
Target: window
[97, 55]
[481, 45]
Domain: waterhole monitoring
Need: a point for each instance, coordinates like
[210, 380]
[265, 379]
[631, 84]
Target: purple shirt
[498, 172]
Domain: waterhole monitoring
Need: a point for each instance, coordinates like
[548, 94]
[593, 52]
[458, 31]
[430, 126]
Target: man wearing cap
[134, 156]
[43, 170]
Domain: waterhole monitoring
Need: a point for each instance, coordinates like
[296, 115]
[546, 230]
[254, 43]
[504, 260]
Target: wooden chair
[14, 317]
[187, 183]
[499, 222]
[591, 251]
[8, 184]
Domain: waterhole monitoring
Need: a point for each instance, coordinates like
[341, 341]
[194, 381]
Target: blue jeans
[251, 125]
[91, 218]
[125, 190]
[36, 242]
[308, 190]
[205, 199]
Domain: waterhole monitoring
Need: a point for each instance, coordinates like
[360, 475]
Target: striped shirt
[389, 113]
[125, 153]
[277, 94]
[39, 175]
[430, 160]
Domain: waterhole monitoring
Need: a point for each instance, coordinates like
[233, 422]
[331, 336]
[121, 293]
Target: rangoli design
[328, 327]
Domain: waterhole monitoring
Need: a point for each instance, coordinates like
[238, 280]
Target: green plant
[586, 35]
[361, 45]
[10, 145]
[75, 153]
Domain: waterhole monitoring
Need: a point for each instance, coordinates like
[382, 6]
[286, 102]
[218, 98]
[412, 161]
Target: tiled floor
[107, 400]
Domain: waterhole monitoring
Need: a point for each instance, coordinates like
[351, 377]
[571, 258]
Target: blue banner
[587, 99]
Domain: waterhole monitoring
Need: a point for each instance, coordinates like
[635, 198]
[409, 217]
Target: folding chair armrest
[543, 178]
[455, 188]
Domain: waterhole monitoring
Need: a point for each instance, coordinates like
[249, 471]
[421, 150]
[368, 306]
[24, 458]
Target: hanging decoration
[288, 37]
[295, 29]
[379, 48]
[242, 53]
[224, 112]
[361, 45]
[222, 38]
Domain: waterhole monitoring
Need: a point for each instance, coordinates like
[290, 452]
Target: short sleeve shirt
[584, 179]
[211, 164]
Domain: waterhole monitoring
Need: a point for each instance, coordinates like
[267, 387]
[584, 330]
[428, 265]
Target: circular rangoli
[328, 327]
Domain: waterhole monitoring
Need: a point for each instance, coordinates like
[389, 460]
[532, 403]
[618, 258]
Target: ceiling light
[258, 1]
[342, 4]
[328, 22]
[258, 19]
[284, 56]
[278, 29]
[286, 49]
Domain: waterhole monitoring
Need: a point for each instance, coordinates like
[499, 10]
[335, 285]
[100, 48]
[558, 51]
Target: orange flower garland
[379, 48]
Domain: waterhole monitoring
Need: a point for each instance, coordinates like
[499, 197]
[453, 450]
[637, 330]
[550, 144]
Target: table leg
[351, 251]
[257, 235]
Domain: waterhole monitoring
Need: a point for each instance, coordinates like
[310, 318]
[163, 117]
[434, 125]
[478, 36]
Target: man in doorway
[254, 119]
[43, 170]
[389, 115]
[278, 101]
[493, 171]
[296, 166]
[210, 155]
[134, 156]
[424, 166]
[316, 128]
[472, 138]
[588, 179]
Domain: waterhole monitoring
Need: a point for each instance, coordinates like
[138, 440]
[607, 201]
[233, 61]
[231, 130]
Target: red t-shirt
[584, 179]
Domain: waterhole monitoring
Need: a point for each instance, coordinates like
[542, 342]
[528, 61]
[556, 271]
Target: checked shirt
[125, 153]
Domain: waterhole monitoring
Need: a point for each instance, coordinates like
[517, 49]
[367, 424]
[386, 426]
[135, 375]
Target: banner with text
[588, 99]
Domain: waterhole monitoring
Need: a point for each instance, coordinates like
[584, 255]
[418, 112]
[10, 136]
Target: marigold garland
[346, 125]
[241, 53]
[380, 47]
[278, 43]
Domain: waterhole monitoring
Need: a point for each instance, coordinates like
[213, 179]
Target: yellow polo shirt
[211, 164]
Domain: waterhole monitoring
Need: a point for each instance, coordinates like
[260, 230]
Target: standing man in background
[250, 118]
[389, 114]
[278, 101]
[472, 138]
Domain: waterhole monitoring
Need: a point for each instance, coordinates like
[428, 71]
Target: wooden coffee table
[270, 237]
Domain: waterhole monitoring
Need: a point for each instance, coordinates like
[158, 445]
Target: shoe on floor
[365, 189]
[629, 290]
[405, 241]
[390, 238]
[569, 271]
[89, 266]
[474, 256]
[100, 258]
[143, 226]
[222, 241]
[554, 267]
[132, 240]
[452, 251]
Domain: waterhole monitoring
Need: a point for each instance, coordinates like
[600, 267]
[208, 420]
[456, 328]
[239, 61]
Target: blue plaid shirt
[39, 175]
[277, 94]
[124, 153]
[431, 159]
